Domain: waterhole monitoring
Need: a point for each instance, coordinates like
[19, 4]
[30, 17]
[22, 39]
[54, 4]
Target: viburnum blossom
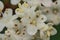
[52, 13]
[7, 17]
[29, 18]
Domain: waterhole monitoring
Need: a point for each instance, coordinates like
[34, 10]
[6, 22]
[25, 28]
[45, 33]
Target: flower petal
[40, 25]
[31, 29]
[42, 18]
[1, 36]
[1, 26]
[14, 2]
[8, 12]
[1, 5]
[43, 36]
[46, 3]
[54, 31]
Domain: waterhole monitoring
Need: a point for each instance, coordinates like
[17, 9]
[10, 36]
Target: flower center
[20, 10]
[33, 22]
[55, 10]
[25, 4]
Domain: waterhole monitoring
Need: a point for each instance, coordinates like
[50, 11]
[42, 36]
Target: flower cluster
[32, 19]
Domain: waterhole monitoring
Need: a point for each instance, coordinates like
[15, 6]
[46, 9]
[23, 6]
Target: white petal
[33, 2]
[10, 25]
[20, 14]
[40, 25]
[25, 20]
[46, 3]
[8, 12]
[43, 26]
[54, 18]
[43, 36]
[14, 2]
[1, 5]
[31, 29]
[42, 18]
[1, 26]
[13, 17]
[1, 36]
[54, 31]
[30, 12]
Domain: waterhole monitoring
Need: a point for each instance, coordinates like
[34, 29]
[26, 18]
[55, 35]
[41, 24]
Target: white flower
[52, 14]
[8, 12]
[33, 24]
[21, 10]
[14, 2]
[42, 18]
[7, 17]
[13, 24]
[52, 30]
[31, 29]
[32, 18]
[53, 19]
[10, 34]
[25, 10]
[45, 34]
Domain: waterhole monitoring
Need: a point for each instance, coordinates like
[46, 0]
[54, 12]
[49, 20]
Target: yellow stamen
[20, 10]
[25, 4]
[48, 33]
[50, 28]
[19, 5]
[33, 22]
